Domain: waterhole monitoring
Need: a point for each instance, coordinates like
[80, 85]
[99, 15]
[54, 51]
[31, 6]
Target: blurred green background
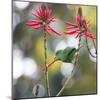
[28, 53]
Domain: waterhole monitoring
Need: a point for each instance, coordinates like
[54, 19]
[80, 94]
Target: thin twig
[94, 45]
[45, 54]
[88, 48]
[66, 82]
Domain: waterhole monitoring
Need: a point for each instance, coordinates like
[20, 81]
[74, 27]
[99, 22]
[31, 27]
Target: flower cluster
[80, 28]
[44, 18]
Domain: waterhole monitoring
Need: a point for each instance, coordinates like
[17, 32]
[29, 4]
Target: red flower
[44, 18]
[80, 28]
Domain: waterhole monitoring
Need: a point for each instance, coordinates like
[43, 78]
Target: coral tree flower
[80, 28]
[44, 18]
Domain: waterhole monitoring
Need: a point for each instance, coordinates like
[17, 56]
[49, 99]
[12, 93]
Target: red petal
[49, 13]
[71, 32]
[79, 19]
[72, 27]
[90, 35]
[34, 21]
[38, 13]
[70, 24]
[37, 27]
[37, 16]
[52, 19]
[41, 12]
[30, 24]
[50, 28]
[45, 13]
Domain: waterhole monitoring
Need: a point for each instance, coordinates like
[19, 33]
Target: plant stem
[88, 47]
[94, 45]
[46, 74]
[66, 82]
